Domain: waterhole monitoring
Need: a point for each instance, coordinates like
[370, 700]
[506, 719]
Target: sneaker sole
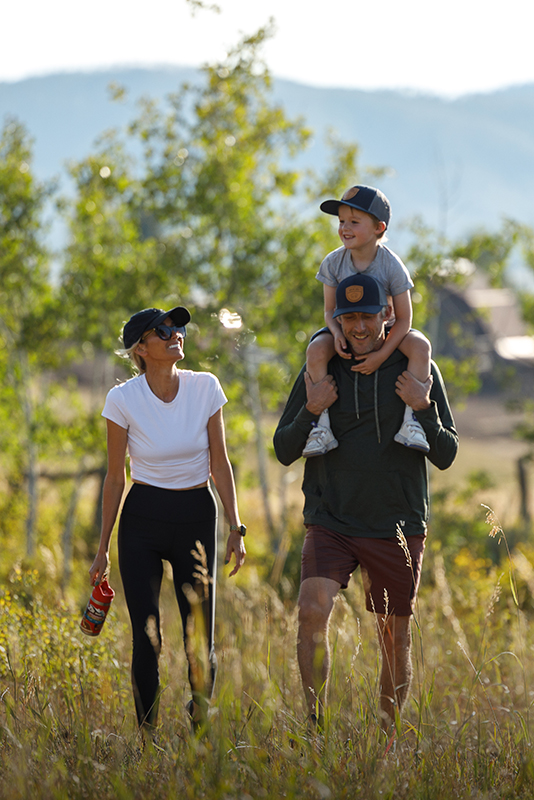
[331, 446]
[406, 443]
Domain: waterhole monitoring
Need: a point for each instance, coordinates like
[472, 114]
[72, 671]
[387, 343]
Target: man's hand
[414, 393]
[320, 395]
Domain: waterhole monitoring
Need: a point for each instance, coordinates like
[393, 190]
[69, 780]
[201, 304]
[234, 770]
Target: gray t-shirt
[386, 267]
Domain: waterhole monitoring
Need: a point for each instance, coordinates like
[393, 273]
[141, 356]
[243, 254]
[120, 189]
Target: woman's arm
[114, 483]
[402, 305]
[223, 478]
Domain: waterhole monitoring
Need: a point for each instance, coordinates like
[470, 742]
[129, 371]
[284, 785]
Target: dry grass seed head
[492, 519]
[401, 538]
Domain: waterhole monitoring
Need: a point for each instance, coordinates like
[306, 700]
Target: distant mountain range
[458, 163]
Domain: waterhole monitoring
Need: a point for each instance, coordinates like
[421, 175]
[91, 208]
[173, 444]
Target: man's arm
[430, 404]
[304, 406]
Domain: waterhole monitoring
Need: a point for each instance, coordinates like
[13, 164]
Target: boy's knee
[424, 344]
[320, 346]
[418, 345]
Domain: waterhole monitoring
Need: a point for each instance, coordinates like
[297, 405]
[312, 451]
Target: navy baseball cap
[148, 318]
[360, 293]
[364, 198]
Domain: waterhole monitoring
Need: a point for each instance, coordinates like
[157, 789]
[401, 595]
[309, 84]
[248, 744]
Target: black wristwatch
[239, 528]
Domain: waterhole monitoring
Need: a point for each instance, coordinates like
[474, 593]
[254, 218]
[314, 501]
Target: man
[366, 502]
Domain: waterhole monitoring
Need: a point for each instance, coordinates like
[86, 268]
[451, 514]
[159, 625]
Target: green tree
[200, 217]
[25, 329]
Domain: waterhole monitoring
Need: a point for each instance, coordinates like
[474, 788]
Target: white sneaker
[411, 433]
[320, 441]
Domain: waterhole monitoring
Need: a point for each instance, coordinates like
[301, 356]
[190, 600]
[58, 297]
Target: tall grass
[67, 722]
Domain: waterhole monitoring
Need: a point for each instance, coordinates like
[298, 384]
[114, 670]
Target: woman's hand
[99, 568]
[235, 545]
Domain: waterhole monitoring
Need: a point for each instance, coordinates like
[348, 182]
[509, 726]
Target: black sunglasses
[166, 331]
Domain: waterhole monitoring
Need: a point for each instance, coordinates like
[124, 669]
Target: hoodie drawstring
[357, 403]
[377, 421]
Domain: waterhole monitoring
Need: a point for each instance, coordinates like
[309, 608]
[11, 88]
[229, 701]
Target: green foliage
[490, 251]
[194, 204]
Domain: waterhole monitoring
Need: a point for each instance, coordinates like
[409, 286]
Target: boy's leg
[418, 350]
[318, 354]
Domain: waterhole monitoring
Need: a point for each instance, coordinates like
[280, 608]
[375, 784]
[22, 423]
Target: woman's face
[163, 350]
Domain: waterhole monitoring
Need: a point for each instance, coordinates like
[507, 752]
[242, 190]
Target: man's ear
[388, 312]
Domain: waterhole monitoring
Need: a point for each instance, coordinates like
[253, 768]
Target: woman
[171, 423]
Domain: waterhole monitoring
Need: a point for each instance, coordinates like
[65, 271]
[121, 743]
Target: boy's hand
[368, 364]
[340, 343]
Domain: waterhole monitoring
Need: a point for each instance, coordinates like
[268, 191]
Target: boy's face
[357, 230]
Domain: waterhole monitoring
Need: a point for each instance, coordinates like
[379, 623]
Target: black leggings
[159, 524]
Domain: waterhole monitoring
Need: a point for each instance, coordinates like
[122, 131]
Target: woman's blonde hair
[130, 352]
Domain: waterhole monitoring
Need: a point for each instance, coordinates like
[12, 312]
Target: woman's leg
[141, 571]
[193, 561]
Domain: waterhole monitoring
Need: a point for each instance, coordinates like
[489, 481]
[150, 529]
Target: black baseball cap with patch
[361, 293]
[148, 318]
[364, 198]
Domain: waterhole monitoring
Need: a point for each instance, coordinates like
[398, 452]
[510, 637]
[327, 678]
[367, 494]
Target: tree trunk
[255, 411]
[33, 473]
[33, 487]
[522, 475]
[69, 525]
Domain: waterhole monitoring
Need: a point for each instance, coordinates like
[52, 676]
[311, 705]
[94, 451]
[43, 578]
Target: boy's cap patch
[360, 293]
[350, 193]
[364, 198]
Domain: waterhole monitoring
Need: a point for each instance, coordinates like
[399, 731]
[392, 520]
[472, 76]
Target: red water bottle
[97, 608]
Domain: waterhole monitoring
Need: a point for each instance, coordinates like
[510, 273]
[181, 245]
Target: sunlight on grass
[67, 726]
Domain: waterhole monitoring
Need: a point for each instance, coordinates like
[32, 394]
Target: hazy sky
[448, 48]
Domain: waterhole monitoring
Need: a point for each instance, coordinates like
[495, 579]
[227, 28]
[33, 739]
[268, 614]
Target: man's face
[363, 332]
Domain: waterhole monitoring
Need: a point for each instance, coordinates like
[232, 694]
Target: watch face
[239, 529]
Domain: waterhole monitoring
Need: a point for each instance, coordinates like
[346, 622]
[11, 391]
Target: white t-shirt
[167, 442]
[386, 267]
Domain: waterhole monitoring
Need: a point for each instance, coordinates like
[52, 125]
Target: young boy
[364, 214]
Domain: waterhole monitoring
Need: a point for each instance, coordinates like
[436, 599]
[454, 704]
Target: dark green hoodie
[370, 483]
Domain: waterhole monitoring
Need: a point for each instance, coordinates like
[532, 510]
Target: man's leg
[396, 645]
[316, 600]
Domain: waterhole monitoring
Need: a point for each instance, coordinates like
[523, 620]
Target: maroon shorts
[386, 572]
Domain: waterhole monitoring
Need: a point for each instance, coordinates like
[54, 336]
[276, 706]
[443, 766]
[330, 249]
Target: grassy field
[67, 721]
